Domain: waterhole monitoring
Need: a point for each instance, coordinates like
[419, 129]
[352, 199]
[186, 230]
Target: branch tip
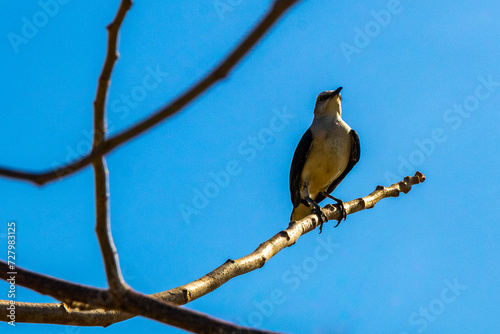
[214, 279]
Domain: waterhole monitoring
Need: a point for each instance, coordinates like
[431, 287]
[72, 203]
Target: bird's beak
[334, 93]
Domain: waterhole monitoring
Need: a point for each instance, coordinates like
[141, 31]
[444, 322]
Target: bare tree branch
[103, 226]
[130, 301]
[60, 314]
[54, 313]
[121, 295]
[281, 240]
[105, 77]
[218, 73]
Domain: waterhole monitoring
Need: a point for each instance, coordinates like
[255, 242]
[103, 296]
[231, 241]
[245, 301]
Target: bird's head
[329, 102]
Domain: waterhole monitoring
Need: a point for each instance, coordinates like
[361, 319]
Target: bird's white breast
[329, 153]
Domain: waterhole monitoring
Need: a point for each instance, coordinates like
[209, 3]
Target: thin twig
[218, 73]
[105, 76]
[114, 276]
[120, 295]
[230, 269]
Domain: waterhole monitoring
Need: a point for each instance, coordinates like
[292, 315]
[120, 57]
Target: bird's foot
[321, 216]
[316, 209]
[343, 212]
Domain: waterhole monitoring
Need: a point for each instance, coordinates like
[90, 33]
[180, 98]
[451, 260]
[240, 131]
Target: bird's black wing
[298, 162]
[354, 158]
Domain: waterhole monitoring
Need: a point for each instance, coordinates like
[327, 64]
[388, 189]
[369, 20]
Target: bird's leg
[316, 209]
[343, 213]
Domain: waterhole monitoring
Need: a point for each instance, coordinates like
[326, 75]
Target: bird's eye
[322, 98]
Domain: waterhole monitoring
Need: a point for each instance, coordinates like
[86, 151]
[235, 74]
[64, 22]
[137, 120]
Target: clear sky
[421, 87]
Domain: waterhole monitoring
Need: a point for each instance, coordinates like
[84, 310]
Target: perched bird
[326, 153]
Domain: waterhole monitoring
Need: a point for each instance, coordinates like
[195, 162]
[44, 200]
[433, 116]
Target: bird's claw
[343, 212]
[321, 217]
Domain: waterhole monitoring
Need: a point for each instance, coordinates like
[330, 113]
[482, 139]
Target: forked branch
[130, 302]
[218, 73]
[120, 296]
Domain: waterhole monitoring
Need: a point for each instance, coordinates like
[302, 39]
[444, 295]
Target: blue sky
[421, 87]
